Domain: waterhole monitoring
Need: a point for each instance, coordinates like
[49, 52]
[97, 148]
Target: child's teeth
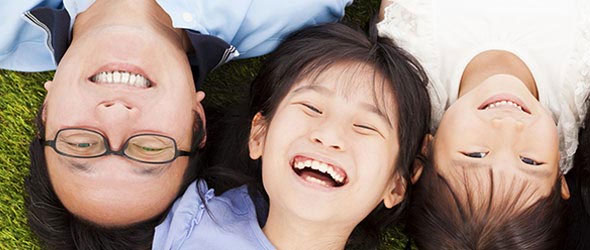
[315, 165]
[323, 167]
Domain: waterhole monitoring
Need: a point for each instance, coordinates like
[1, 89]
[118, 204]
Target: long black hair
[305, 54]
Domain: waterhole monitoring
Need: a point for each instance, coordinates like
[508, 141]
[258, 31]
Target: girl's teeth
[500, 103]
[321, 167]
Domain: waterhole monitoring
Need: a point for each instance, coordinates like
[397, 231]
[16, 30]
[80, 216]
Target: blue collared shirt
[250, 27]
[231, 222]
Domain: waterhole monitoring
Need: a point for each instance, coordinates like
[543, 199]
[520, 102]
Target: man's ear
[418, 163]
[257, 136]
[200, 111]
[47, 85]
[565, 190]
[395, 191]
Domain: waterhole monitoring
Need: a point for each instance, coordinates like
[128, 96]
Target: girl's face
[328, 155]
[499, 127]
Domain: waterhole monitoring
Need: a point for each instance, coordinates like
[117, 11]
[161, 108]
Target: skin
[334, 119]
[470, 141]
[113, 190]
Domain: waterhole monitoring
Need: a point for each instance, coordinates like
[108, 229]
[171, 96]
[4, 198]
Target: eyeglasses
[86, 143]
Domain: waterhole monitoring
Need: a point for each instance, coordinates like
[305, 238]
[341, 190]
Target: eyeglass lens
[84, 143]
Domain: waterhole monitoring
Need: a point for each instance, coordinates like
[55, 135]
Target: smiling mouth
[122, 78]
[318, 172]
[504, 102]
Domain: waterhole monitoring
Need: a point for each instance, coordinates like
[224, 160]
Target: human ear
[565, 191]
[47, 85]
[418, 162]
[198, 110]
[395, 191]
[257, 136]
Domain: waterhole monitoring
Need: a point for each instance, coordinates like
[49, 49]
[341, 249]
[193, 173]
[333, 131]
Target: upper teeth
[501, 103]
[320, 166]
[122, 77]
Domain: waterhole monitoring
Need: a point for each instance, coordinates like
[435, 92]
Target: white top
[551, 37]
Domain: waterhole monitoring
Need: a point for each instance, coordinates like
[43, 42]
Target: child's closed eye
[311, 108]
[366, 129]
[475, 154]
[530, 161]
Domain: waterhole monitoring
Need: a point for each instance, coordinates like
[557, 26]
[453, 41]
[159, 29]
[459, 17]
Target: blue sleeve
[23, 46]
[254, 27]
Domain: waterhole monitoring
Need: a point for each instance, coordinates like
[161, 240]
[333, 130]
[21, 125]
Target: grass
[22, 93]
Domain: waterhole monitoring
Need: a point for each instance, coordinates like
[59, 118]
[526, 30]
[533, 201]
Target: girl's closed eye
[475, 154]
[530, 161]
[310, 109]
[365, 129]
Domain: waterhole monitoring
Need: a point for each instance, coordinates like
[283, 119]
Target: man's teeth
[503, 103]
[116, 77]
[320, 166]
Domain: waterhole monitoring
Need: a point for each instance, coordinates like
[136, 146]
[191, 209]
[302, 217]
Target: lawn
[22, 93]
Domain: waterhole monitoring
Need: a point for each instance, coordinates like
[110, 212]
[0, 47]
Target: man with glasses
[122, 111]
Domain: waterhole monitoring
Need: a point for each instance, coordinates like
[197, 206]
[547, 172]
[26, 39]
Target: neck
[144, 14]
[495, 62]
[286, 231]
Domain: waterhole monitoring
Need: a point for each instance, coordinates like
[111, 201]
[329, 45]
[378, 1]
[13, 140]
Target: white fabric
[551, 37]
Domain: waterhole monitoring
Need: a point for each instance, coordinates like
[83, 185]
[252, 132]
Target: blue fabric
[254, 27]
[230, 223]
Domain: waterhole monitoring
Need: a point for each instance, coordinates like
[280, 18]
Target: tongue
[318, 175]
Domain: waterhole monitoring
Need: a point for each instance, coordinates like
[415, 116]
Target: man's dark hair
[305, 54]
[445, 215]
[59, 229]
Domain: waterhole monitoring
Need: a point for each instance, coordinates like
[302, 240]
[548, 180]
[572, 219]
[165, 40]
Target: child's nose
[508, 123]
[329, 137]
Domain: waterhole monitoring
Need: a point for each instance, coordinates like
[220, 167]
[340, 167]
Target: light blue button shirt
[254, 27]
[231, 222]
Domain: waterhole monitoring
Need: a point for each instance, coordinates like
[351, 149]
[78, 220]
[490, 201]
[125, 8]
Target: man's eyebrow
[156, 170]
[83, 167]
[72, 164]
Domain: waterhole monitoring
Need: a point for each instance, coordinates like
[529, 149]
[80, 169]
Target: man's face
[120, 81]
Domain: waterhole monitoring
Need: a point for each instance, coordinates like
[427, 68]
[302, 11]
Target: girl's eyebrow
[371, 108]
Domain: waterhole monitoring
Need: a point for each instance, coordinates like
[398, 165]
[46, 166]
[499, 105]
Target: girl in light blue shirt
[325, 156]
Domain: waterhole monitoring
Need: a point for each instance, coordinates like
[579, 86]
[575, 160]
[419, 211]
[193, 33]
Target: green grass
[22, 93]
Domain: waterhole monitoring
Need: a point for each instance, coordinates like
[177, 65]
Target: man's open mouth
[318, 172]
[123, 78]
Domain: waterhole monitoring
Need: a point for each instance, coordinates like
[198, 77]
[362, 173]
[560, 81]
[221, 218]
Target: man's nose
[116, 119]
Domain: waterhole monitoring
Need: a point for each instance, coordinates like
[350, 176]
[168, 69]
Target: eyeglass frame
[110, 151]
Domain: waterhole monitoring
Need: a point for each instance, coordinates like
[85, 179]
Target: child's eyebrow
[473, 164]
[325, 91]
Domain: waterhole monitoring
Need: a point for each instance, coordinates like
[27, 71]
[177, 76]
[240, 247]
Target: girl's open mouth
[319, 172]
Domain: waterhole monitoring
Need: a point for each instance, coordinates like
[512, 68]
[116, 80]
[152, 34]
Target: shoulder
[201, 220]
